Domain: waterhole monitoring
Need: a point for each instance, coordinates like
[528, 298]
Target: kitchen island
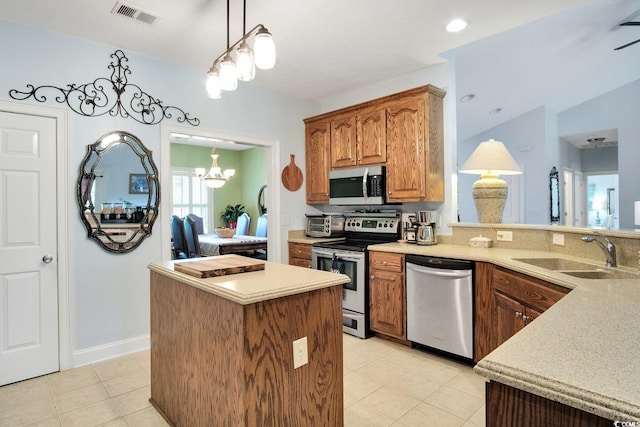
[222, 347]
[578, 360]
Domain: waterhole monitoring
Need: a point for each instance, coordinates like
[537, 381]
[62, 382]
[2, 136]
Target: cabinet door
[343, 142]
[406, 150]
[317, 152]
[386, 303]
[507, 315]
[300, 254]
[371, 136]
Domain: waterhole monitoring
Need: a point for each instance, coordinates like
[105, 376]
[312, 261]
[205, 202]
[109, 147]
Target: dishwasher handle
[440, 263]
[439, 272]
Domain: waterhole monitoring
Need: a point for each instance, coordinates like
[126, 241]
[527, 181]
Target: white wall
[526, 137]
[109, 293]
[617, 109]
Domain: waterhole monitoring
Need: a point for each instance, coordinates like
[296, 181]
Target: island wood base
[510, 407]
[215, 362]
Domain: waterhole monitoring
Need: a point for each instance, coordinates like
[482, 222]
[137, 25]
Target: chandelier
[216, 178]
[239, 61]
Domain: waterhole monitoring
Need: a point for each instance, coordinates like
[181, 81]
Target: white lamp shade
[264, 50]
[228, 75]
[245, 63]
[214, 90]
[491, 158]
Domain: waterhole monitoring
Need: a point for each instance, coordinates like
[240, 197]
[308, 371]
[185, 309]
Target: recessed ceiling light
[456, 25]
[468, 97]
[495, 111]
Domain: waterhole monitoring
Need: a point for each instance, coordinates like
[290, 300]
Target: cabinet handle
[384, 262]
[372, 277]
[518, 314]
[525, 318]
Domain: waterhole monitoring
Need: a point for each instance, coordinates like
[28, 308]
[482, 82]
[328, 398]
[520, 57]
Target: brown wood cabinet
[415, 148]
[300, 254]
[508, 406]
[403, 132]
[317, 160]
[507, 301]
[387, 294]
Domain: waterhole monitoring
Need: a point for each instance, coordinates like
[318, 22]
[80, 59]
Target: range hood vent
[134, 13]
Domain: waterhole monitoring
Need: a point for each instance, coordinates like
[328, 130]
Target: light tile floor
[385, 384]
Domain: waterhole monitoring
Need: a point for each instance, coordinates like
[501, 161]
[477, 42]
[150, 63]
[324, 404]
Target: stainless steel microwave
[361, 186]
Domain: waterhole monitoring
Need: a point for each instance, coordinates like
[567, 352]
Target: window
[190, 195]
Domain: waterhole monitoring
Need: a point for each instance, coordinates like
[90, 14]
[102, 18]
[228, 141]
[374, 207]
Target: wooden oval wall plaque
[292, 175]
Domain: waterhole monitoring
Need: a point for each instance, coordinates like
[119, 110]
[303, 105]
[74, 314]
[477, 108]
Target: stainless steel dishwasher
[440, 304]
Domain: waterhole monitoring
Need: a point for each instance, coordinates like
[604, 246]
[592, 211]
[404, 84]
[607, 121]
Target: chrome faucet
[609, 249]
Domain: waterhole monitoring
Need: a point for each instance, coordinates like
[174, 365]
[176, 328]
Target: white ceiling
[326, 47]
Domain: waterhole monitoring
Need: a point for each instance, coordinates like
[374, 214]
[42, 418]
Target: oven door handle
[329, 254]
[350, 316]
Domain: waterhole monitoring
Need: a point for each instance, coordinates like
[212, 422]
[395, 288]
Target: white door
[28, 242]
[580, 192]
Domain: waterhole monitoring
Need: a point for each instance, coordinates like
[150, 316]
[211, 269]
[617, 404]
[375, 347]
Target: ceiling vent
[133, 13]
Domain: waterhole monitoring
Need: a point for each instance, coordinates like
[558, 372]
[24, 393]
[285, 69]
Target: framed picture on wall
[138, 183]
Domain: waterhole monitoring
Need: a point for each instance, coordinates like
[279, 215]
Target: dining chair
[177, 238]
[242, 225]
[261, 227]
[191, 234]
[199, 222]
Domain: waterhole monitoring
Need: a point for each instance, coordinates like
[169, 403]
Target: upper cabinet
[317, 160]
[403, 132]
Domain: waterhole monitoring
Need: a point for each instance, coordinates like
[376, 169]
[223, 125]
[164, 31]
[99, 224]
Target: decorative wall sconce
[96, 98]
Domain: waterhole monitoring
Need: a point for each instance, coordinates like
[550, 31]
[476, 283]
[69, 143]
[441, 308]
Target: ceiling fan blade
[630, 23]
[626, 45]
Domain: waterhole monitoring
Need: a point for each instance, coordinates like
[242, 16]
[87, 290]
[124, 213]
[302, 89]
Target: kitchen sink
[557, 264]
[602, 274]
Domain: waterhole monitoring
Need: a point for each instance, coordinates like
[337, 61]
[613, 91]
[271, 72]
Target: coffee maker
[425, 227]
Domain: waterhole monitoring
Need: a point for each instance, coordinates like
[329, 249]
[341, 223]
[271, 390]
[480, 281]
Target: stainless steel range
[349, 256]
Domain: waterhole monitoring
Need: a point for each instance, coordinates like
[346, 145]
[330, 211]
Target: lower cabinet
[300, 254]
[387, 294]
[507, 301]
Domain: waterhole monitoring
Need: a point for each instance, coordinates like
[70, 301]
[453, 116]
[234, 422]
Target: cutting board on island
[292, 175]
[218, 266]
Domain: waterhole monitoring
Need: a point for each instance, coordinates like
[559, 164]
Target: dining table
[211, 244]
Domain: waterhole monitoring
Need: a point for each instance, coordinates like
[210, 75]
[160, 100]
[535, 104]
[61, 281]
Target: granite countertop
[583, 352]
[275, 281]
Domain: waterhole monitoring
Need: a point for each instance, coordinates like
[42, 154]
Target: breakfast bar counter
[222, 346]
[582, 352]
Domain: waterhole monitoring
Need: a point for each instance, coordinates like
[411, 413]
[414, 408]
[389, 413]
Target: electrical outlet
[558, 239]
[300, 353]
[504, 236]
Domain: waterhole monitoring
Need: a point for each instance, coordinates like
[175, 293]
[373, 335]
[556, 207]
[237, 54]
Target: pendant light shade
[228, 74]
[245, 63]
[265, 50]
[239, 61]
[214, 90]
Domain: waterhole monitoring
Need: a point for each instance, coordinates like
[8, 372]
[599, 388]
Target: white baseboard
[110, 351]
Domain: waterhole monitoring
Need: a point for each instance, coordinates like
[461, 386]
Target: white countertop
[584, 351]
[275, 281]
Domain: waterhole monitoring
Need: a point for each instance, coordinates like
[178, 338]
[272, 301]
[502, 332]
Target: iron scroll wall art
[97, 98]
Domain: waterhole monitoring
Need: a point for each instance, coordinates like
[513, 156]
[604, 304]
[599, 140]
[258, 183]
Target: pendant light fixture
[239, 61]
[215, 178]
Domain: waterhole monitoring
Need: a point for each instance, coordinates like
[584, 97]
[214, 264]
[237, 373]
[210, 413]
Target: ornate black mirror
[554, 189]
[262, 204]
[118, 192]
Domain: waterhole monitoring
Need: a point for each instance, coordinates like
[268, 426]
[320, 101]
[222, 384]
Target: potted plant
[230, 215]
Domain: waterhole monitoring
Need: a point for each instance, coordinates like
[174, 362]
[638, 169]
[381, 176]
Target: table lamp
[489, 160]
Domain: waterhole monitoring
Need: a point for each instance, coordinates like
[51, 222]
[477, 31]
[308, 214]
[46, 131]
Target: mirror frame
[88, 166]
[262, 203]
[554, 196]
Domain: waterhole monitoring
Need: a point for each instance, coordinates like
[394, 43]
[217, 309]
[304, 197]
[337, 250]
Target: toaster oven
[325, 225]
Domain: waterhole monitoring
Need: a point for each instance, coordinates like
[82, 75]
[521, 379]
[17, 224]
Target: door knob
[47, 259]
